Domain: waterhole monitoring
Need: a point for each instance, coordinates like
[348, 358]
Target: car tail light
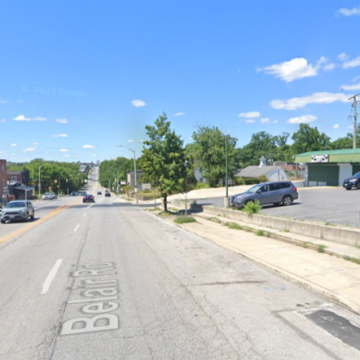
[295, 188]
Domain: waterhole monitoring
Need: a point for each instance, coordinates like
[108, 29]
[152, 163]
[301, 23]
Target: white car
[49, 196]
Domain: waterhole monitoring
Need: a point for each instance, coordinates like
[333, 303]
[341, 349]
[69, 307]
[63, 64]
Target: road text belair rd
[99, 297]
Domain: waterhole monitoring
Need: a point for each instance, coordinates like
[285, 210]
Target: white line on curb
[77, 226]
[50, 278]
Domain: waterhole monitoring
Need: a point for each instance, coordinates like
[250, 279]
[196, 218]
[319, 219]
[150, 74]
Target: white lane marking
[77, 226]
[50, 277]
[84, 214]
[90, 206]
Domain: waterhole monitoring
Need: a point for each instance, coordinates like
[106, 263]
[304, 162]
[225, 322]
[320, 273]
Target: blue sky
[79, 78]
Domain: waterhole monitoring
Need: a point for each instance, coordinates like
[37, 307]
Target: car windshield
[254, 189]
[19, 204]
[356, 176]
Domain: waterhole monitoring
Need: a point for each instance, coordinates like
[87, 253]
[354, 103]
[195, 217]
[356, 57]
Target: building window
[13, 178]
[3, 169]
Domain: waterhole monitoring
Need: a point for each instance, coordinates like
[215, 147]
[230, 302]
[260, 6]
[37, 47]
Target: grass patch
[252, 207]
[232, 225]
[154, 209]
[165, 213]
[357, 246]
[260, 233]
[214, 219]
[330, 224]
[353, 260]
[286, 230]
[305, 245]
[184, 219]
[321, 248]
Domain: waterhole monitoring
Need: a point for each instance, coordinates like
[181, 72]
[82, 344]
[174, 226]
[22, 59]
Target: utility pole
[355, 116]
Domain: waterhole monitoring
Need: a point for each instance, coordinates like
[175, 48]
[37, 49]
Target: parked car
[49, 196]
[88, 198]
[354, 181]
[74, 193]
[18, 210]
[107, 193]
[277, 192]
[82, 193]
[99, 193]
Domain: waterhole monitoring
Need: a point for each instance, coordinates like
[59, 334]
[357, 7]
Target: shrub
[263, 178]
[184, 219]
[260, 233]
[321, 248]
[251, 181]
[202, 185]
[252, 207]
[239, 181]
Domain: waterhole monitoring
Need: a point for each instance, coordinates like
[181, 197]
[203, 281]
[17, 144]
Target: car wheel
[287, 200]
[348, 188]
[3, 221]
[33, 216]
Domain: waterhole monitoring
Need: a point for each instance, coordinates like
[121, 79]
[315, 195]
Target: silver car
[18, 210]
[277, 192]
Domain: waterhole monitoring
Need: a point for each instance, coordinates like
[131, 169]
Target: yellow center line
[46, 217]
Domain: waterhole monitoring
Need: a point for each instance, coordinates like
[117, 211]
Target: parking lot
[330, 205]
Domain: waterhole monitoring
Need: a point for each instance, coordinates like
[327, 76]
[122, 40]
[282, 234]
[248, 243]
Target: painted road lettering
[98, 296]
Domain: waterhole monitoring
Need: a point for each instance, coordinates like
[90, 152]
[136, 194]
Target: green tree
[208, 151]
[261, 144]
[309, 139]
[164, 160]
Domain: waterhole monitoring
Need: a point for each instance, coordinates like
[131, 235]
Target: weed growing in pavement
[260, 233]
[321, 248]
[252, 207]
[182, 219]
[330, 224]
[154, 209]
[232, 225]
[353, 260]
[286, 230]
[214, 219]
[268, 234]
[305, 245]
[357, 246]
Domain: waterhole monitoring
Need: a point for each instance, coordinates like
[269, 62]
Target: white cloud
[39, 118]
[21, 118]
[13, 145]
[131, 141]
[60, 135]
[351, 87]
[250, 114]
[138, 103]
[300, 102]
[35, 143]
[351, 63]
[179, 114]
[265, 120]
[250, 121]
[88, 147]
[3, 101]
[63, 150]
[351, 127]
[2, 120]
[294, 69]
[336, 126]
[66, 155]
[329, 66]
[62, 121]
[275, 121]
[302, 119]
[349, 12]
[30, 149]
[343, 57]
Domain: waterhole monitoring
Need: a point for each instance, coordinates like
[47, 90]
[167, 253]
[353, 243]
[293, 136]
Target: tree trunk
[165, 203]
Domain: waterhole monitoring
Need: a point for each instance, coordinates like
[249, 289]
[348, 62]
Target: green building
[329, 167]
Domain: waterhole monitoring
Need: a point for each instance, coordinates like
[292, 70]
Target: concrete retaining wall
[325, 232]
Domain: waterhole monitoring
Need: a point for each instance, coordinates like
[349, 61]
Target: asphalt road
[333, 205]
[111, 281]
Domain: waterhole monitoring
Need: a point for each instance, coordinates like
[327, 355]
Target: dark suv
[276, 192]
[354, 181]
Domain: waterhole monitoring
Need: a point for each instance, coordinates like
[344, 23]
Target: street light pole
[135, 180]
[40, 178]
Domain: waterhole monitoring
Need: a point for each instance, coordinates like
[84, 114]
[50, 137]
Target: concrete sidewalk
[334, 277]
